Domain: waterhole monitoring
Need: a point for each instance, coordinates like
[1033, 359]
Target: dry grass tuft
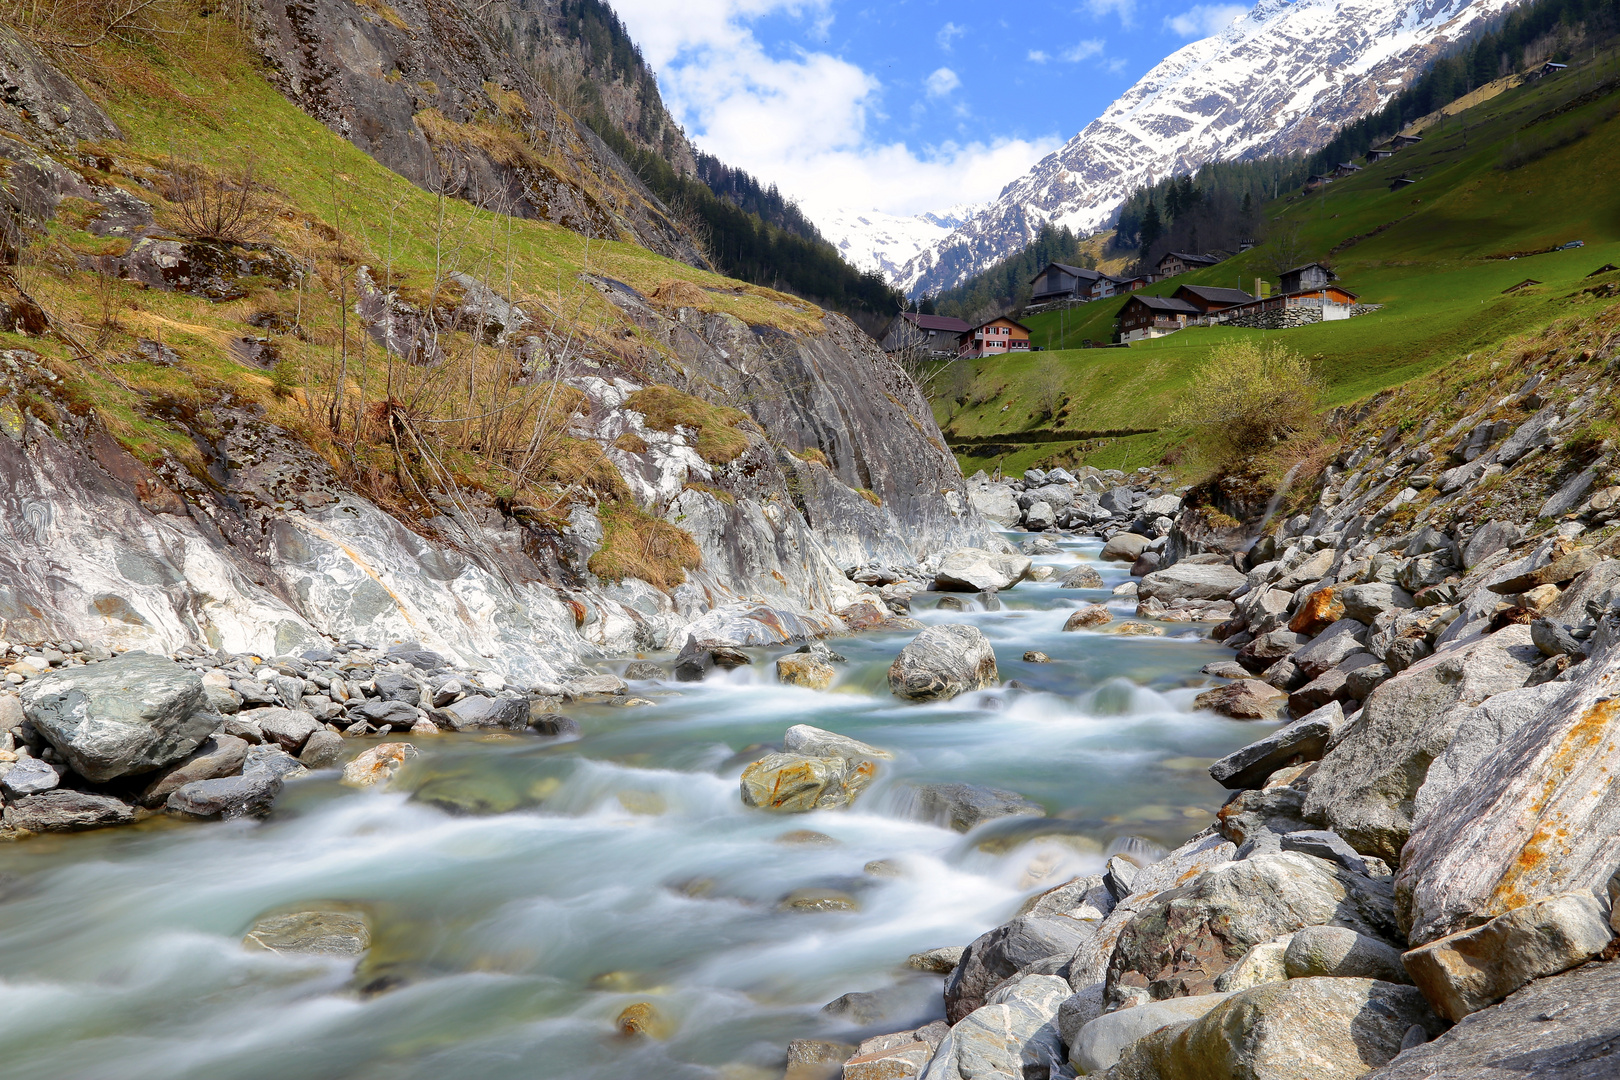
[666, 408]
[637, 545]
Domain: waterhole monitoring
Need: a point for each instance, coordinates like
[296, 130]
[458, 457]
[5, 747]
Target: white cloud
[1088, 48]
[800, 120]
[1036, 56]
[1125, 9]
[947, 32]
[1204, 20]
[942, 82]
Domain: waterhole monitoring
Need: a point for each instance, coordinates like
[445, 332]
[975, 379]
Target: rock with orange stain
[797, 783]
[1533, 817]
[1317, 612]
[378, 765]
[642, 1019]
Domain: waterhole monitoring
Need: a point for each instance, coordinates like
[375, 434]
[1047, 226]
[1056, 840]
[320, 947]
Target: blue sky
[901, 107]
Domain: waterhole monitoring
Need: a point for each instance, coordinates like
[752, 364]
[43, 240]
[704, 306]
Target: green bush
[1249, 396]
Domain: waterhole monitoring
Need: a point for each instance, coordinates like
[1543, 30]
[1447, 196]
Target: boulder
[1318, 611]
[1335, 684]
[318, 932]
[1097, 1046]
[1331, 647]
[978, 570]
[248, 795]
[1039, 515]
[1364, 603]
[800, 669]
[131, 714]
[396, 714]
[1472, 969]
[1307, 570]
[1124, 547]
[1118, 500]
[1263, 963]
[552, 724]
[1087, 617]
[61, 810]
[1488, 539]
[1245, 699]
[1138, 629]
[393, 687]
[1147, 564]
[29, 776]
[321, 749]
[1341, 953]
[1013, 1037]
[1302, 1029]
[377, 766]
[964, 806]
[1080, 577]
[940, 961]
[219, 755]
[286, 728]
[478, 713]
[1191, 581]
[897, 1062]
[273, 759]
[1560, 571]
[796, 783]
[1365, 786]
[942, 662]
[1009, 949]
[1179, 943]
[1480, 732]
[997, 503]
[815, 742]
[1306, 739]
[1268, 648]
[693, 662]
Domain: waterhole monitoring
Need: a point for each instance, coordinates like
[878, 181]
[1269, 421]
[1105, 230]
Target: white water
[624, 868]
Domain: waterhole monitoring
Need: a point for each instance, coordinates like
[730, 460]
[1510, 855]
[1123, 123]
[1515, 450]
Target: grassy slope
[1443, 297]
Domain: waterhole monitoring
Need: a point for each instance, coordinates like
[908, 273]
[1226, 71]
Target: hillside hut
[934, 335]
[1208, 299]
[1145, 317]
[1304, 278]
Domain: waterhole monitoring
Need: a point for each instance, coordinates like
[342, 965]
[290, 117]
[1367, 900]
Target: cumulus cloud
[1084, 50]
[1204, 20]
[799, 119]
[1036, 56]
[947, 33]
[1125, 9]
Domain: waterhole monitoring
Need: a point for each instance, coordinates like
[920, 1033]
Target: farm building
[934, 335]
[1154, 316]
[1310, 276]
[1345, 168]
[1318, 182]
[1379, 153]
[1179, 262]
[1323, 304]
[1208, 298]
[1059, 281]
[997, 337]
[1401, 182]
[1401, 141]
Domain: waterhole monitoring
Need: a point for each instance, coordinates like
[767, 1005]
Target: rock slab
[942, 662]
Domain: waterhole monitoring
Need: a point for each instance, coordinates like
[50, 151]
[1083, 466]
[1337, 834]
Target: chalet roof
[1201, 260]
[998, 318]
[1306, 266]
[1401, 181]
[1164, 303]
[1350, 166]
[935, 322]
[1077, 271]
[1215, 295]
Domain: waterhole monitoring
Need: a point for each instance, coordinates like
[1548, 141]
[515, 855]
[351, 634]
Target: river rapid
[581, 877]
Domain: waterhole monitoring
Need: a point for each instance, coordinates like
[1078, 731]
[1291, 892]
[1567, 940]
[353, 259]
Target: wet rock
[553, 724]
[275, 760]
[1137, 629]
[1306, 739]
[1035, 656]
[1087, 617]
[321, 749]
[392, 687]
[248, 795]
[1342, 954]
[797, 669]
[1124, 547]
[1189, 580]
[816, 1059]
[812, 901]
[29, 776]
[1097, 1046]
[285, 728]
[796, 784]
[890, 1063]
[131, 714]
[976, 570]
[645, 670]
[938, 961]
[1080, 577]
[219, 755]
[642, 1019]
[1365, 786]
[1245, 699]
[942, 662]
[1013, 1036]
[865, 1008]
[816, 742]
[478, 713]
[1302, 1029]
[694, 661]
[319, 932]
[964, 806]
[377, 765]
[1225, 669]
[395, 714]
[62, 810]
[1475, 968]
[1001, 953]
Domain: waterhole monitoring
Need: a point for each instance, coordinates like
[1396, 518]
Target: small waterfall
[1276, 501]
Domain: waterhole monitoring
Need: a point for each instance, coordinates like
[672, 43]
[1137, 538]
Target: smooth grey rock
[1365, 786]
[816, 742]
[248, 795]
[941, 961]
[1001, 953]
[478, 713]
[1263, 963]
[1039, 515]
[1302, 1029]
[1118, 874]
[396, 714]
[219, 755]
[1568, 497]
[1117, 500]
[321, 749]
[62, 810]
[1472, 969]
[553, 724]
[1554, 639]
[1530, 434]
[1329, 846]
[1364, 603]
[274, 760]
[1331, 647]
[693, 662]
[287, 729]
[1080, 577]
[996, 502]
[131, 714]
[964, 806]
[942, 662]
[1268, 648]
[1124, 547]
[1014, 1037]
[1488, 539]
[29, 776]
[1342, 954]
[1481, 731]
[246, 730]
[1097, 1047]
[1306, 739]
[975, 570]
[1078, 1010]
[391, 687]
[1191, 581]
[328, 933]
[601, 684]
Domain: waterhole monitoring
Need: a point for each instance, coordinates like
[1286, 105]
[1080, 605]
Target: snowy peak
[1280, 79]
[883, 243]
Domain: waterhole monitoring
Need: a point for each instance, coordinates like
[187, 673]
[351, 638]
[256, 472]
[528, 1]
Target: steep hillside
[1282, 78]
[260, 391]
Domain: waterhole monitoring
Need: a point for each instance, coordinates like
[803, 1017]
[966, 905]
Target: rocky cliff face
[1279, 80]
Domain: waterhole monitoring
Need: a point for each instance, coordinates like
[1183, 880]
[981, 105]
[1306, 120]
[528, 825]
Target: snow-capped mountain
[1280, 79]
[873, 240]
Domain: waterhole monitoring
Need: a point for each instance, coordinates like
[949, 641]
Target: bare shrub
[220, 204]
[1049, 389]
[84, 24]
[1247, 397]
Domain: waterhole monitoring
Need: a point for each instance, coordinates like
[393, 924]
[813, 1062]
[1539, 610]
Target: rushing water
[618, 868]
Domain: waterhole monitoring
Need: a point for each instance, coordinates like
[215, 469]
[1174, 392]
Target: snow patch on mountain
[874, 241]
[1280, 79]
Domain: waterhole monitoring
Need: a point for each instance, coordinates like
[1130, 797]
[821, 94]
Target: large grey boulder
[131, 714]
[976, 570]
[818, 742]
[1080, 577]
[1366, 786]
[1179, 943]
[219, 755]
[476, 713]
[285, 728]
[1364, 603]
[1008, 950]
[62, 810]
[1561, 1026]
[1097, 1046]
[1488, 539]
[964, 806]
[1013, 1037]
[995, 502]
[1331, 647]
[1306, 739]
[1481, 732]
[248, 795]
[1124, 547]
[1302, 1029]
[797, 783]
[1191, 581]
[942, 662]
[1342, 953]
[1039, 516]
[1472, 969]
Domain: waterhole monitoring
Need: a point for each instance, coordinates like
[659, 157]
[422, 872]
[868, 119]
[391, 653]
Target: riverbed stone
[1302, 1029]
[1097, 1046]
[964, 806]
[1472, 969]
[286, 728]
[1331, 647]
[940, 961]
[552, 724]
[942, 662]
[1080, 577]
[321, 749]
[978, 570]
[1306, 739]
[797, 783]
[478, 713]
[62, 810]
[1005, 951]
[320, 932]
[1244, 699]
[131, 714]
[1263, 963]
[251, 794]
[1318, 611]
[1014, 1037]
[816, 742]
[1188, 580]
[1087, 617]
[1124, 547]
[376, 767]
[219, 755]
[1341, 953]
[798, 669]
[997, 503]
[29, 776]
[1364, 603]
[1268, 648]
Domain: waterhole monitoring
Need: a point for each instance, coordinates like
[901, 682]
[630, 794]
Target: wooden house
[1318, 182]
[1059, 281]
[934, 335]
[1179, 262]
[1334, 302]
[1208, 298]
[1550, 68]
[1145, 317]
[1131, 284]
[997, 337]
[1401, 182]
[1400, 142]
[1379, 153]
[1303, 278]
[1345, 168]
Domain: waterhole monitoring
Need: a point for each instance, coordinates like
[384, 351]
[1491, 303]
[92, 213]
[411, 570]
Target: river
[618, 868]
